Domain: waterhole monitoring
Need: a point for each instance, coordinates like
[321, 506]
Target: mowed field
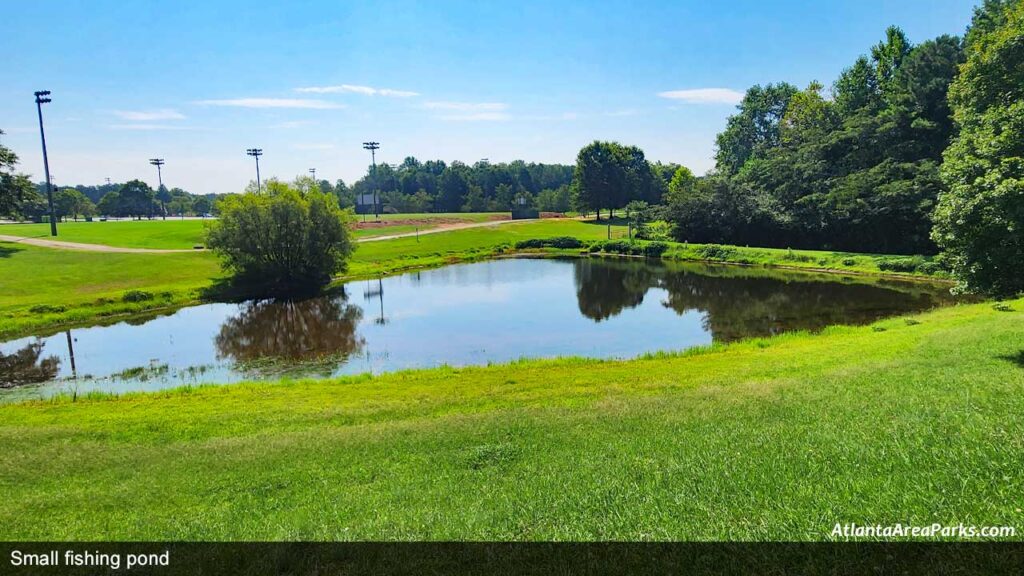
[913, 421]
[175, 234]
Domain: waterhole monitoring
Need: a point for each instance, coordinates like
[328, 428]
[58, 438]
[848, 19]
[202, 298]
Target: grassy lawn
[43, 287]
[169, 234]
[184, 234]
[913, 422]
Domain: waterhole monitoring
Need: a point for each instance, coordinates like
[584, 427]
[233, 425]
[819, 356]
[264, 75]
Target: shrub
[655, 249]
[900, 264]
[716, 252]
[46, 309]
[849, 262]
[565, 242]
[283, 240]
[929, 268]
[136, 296]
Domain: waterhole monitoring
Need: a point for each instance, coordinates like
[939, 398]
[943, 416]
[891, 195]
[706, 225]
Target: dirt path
[46, 243]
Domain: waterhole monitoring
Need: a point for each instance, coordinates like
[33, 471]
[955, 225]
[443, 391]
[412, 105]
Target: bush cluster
[909, 264]
[716, 252]
[566, 242]
[625, 247]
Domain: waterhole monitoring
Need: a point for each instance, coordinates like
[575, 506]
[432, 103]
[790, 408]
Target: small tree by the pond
[282, 241]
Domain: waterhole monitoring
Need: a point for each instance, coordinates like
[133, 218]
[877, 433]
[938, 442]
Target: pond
[464, 314]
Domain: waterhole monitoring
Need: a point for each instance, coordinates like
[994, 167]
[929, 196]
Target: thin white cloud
[477, 117]
[704, 96]
[354, 89]
[629, 112]
[293, 124]
[149, 115]
[273, 103]
[467, 106]
[147, 127]
[314, 146]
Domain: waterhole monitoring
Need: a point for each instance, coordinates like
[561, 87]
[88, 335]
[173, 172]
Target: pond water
[458, 315]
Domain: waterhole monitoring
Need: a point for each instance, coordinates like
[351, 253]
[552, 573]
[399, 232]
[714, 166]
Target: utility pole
[373, 147]
[256, 153]
[313, 172]
[41, 98]
[158, 162]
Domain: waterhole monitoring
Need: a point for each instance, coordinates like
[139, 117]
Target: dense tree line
[437, 186]
[855, 171]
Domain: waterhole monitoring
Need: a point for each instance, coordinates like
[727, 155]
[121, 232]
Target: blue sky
[199, 82]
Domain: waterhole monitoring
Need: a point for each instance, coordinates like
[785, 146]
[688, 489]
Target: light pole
[41, 98]
[158, 162]
[373, 147]
[256, 153]
[313, 172]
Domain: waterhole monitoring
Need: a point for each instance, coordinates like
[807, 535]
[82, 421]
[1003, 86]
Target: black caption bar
[320, 559]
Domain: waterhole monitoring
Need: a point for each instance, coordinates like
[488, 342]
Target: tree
[600, 176]
[164, 196]
[283, 241]
[202, 206]
[979, 222]
[16, 190]
[755, 129]
[71, 202]
[110, 204]
[136, 199]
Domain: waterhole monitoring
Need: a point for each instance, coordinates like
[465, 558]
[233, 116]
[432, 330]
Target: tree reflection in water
[266, 332]
[743, 302]
[26, 366]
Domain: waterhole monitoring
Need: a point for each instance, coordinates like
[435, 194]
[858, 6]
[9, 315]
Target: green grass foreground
[913, 421]
[43, 288]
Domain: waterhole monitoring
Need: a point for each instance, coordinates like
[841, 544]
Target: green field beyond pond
[912, 420]
[174, 234]
[45, 287]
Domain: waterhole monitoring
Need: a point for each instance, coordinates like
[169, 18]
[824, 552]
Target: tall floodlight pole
[158, 162]
[41, 98]
[256, 153]
[373, 147]
[313, 172]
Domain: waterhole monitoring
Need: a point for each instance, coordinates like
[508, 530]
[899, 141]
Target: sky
[197, 83]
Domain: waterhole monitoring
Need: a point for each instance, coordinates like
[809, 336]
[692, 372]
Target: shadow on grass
[616, 221]
[1017, 358]
[7, 249]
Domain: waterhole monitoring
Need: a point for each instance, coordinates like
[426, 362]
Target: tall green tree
[16, 190]
[755, 128]
[979, 222]
[136, 199]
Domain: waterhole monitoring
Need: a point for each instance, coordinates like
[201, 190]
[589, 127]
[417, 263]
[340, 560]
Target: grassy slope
[767, 439]
[77, 281]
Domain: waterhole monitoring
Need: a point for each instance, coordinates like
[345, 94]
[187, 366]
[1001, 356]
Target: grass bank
[44, 288]
[913, 421]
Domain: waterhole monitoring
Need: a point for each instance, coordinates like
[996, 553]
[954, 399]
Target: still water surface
[458, 315]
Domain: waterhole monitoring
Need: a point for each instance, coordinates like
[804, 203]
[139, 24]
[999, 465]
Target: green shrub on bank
[283, 240]
[716, 252]
[137, 296]
[629, 248]
[564, 242]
